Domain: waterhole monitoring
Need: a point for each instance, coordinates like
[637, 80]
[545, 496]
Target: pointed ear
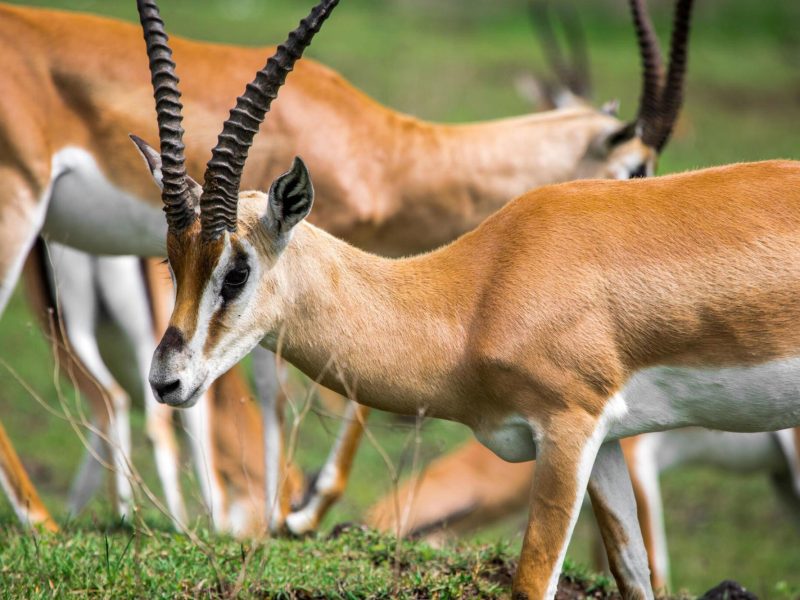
[611, 108]
[606, 141]
[153, 159]
[151, 156]
[290, 198]
[530, 89]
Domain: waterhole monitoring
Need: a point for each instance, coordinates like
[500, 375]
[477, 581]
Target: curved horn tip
[223, 172]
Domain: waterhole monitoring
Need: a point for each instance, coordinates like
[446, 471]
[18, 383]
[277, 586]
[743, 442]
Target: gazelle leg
[21, 218]
[643, 469]
[615, 509]
[74, 276]
[90, 473]
[265, 373]
[198, 423]
[789, 441]
[158, 418]
[18, 488]
[331, 482]
[114, 424]
[563, 466]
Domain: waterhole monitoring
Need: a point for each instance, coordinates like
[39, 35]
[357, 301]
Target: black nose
[163, 390]
[638, 172]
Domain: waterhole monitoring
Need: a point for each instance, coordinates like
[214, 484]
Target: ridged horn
[652, 72]
[218, 203]
[175, 193]
[574, 75]
[672, 95]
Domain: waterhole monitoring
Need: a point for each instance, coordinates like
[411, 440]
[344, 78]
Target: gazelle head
[620, 150]
[222, 258]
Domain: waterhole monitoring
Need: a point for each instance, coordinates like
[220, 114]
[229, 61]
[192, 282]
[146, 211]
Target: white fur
[265, 373]
[195, 370]
[88, 212]
[735, 452]
[198, 424]
[10, 278]
[25, 516]
[513, 440]
[764, 397]
[73, 274]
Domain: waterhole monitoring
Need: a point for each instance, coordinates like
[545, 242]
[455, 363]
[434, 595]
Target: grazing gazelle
[490, 489]
[75, 293]
[569, 89]
[408, 186]
[539, 330]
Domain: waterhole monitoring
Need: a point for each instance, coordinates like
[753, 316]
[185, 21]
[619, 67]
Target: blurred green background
[456, 60]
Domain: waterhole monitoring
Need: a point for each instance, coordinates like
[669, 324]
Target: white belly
[737, 452]
[759, 398]
[87, 212]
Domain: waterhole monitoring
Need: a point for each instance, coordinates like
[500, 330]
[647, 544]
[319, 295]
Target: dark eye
[234, 281]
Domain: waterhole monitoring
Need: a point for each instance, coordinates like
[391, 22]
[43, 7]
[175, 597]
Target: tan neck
[354, 320]
[441, 181]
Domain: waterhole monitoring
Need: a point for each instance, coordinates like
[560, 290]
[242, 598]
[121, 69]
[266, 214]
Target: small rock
[728, 590]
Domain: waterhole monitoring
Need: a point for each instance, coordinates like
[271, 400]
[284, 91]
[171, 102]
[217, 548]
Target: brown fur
[238, 435]
[467, 488]
[435, 180]
[431, 183]
[22, 490]
[643, 512]
[239, 450]
[545, 310]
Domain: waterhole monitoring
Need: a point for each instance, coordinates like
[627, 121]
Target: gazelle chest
[512, 439]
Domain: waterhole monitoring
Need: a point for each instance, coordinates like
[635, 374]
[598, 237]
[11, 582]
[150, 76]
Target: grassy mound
[350, 563]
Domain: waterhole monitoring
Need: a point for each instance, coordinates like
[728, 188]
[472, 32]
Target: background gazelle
[533, 330]
[570, 90]
[76, 294]
[57, 174]
[490, 489]
[135, 296]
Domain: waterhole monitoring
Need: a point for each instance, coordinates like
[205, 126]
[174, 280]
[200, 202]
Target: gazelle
[64, 169]
[136, 297]
[539, 329]
[490, 489]
[24, 499]
[569, 88]
[534, 330]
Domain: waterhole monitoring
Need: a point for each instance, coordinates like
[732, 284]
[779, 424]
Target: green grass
[353, 563]
[452, 61]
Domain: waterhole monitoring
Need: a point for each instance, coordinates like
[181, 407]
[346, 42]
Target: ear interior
[624, 134]
[291, 196]
[607, 141]
[611, 108]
